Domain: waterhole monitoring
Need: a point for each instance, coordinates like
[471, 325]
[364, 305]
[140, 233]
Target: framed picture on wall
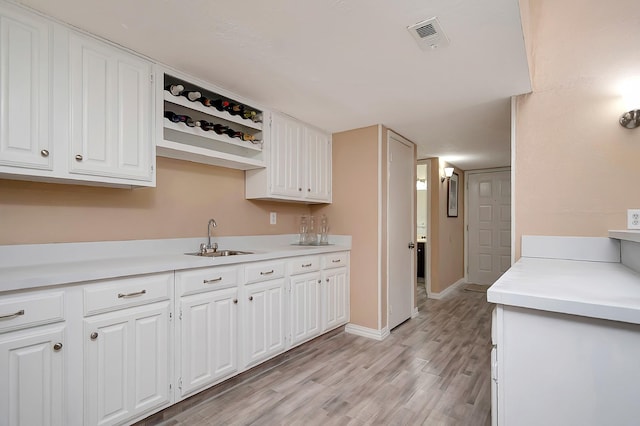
[452, 196]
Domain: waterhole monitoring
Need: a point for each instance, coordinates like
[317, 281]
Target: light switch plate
[633, 219]
[273, 218]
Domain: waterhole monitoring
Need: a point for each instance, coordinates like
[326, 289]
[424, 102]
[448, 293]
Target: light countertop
[33, 266]
[605, 290]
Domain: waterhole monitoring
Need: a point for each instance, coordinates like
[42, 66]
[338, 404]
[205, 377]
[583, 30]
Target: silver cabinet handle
[137, 293]
[78, 157]
[57, 346]
[93, 336]
[10, 316]
[214, 280]
[306, 265]
[267, 273]
[335, 261]
[44, 153]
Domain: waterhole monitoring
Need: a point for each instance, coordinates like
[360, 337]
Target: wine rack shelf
[182, 142]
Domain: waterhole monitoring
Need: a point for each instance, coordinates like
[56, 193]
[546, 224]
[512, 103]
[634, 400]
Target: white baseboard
[447, 290]
[369, 333]
[414, 313]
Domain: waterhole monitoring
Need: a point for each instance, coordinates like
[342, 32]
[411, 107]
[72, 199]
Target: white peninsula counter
[566, 334]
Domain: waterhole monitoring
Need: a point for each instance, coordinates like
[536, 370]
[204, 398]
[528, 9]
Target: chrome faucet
[212, 223]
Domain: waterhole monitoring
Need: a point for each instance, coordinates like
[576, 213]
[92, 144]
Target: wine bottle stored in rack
[192, 95]
[175, 89]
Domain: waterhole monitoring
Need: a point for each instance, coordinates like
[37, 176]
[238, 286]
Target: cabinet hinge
[169, 387]
[180, 383]
[151, 77]
[180, 317]
[170, 316]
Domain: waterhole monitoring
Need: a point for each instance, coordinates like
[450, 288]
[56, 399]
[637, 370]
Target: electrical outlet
[273, 218]
[633, 219]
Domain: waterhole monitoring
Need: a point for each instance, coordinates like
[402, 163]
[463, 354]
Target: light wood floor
[431, 370]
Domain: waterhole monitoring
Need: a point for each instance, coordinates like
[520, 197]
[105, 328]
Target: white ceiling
[340, 64]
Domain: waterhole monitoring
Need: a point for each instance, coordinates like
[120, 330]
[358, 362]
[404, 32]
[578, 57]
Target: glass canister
[324, 229]
[303, 229]
[312, 235]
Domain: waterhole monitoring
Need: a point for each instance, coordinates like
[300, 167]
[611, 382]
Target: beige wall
[576, 168]
[355, 212]
[447, 233]
[186, 196]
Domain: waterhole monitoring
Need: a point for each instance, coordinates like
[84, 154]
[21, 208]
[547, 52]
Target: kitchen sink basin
[220, 253]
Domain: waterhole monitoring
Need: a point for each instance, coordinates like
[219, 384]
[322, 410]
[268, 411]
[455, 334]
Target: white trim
[415, 312]
[513, 179]
[467, 174]
[369, 333]
[447, 290]
[379, 230]
[427, 243]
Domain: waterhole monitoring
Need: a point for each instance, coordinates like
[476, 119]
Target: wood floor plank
[431, 370]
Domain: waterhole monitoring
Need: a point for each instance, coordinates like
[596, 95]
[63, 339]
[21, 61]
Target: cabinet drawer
[19, 312]
[263, 271]
[201, 280]
[302, 264]
[335, 260]
[126, 292]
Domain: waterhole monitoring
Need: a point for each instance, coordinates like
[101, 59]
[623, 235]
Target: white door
[32, 371]
[209, 329]
[111, 120]
[126, 363]
[286, 157]
[400, 229]
[305, 307]
[489, 226]
[25, 83]
[336, 297]
[265, 320]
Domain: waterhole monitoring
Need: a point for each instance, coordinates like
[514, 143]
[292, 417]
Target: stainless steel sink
[220, 253]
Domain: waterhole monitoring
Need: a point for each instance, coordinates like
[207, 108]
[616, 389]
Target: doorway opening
[423, 190]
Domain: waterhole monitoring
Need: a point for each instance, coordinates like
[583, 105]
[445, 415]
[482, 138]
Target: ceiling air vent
[429, 34]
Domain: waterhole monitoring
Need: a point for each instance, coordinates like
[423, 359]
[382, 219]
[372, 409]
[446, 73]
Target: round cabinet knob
[319, 281]
[235, 301]
[78, 157]
[44, 153]
[327, 280]
[94, 336]
[250, 297]
[308, 189]
[57, 346]
[299, 189]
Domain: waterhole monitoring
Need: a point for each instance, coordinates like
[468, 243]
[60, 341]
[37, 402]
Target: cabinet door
[126, 363]
[318, 161]
[32, 371]
[25, 82]
[336, 297]
[111, 105]
[305, 307]
[286, 166]
[265, 320]
[208, 345]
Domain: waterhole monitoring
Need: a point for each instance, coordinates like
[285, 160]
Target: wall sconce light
[631, 100]
[448, 172]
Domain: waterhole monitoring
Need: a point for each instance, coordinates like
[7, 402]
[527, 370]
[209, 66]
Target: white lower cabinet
[335, 279]
[306, 302]
[32, 371]
[264, 306]
[207, 332]
[126, 352]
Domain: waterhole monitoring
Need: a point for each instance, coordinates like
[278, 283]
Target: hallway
[431, 370]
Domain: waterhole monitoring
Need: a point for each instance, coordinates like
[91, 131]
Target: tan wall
[355, 212]
[447, 235]
[576, 168]
[186, 196]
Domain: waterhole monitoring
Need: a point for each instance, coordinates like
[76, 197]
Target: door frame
[467, 174]
[414, 310]
[427, 244]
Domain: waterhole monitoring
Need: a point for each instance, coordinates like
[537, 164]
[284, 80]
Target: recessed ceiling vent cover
[429, 34]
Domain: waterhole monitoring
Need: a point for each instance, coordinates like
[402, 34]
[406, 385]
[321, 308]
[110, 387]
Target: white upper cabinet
[299, 164]
[111, 104]
[25, 82]
[73, 109]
